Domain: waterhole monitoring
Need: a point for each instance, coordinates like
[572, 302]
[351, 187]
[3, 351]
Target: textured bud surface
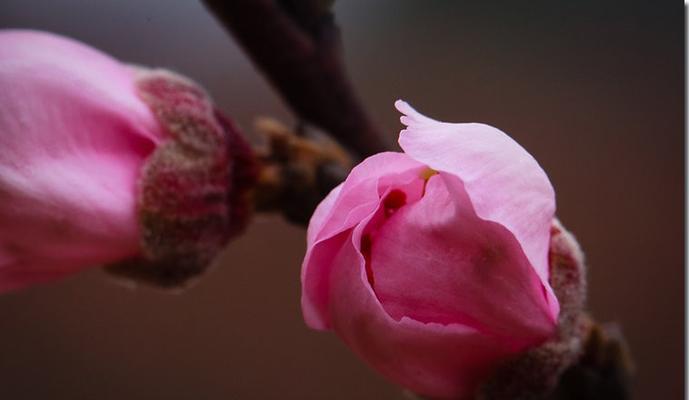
[193, 188]
[298, 170]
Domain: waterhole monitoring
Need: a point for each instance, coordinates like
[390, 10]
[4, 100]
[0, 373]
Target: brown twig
[603, 372]
[296, 44]
[297, 171]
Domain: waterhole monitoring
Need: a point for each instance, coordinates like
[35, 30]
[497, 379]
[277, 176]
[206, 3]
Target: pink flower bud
[432, 264]
[103, 163]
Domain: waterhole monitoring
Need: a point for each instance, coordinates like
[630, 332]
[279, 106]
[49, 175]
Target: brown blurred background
[593, 89]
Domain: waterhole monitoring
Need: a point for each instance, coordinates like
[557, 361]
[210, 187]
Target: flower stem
[296, 44]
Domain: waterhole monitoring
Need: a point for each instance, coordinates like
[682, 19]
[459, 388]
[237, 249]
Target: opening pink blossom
[432, 264]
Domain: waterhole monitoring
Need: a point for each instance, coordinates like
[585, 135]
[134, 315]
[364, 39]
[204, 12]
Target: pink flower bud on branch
[107, 164]
[441, 264]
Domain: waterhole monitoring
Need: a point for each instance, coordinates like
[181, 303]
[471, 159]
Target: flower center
[393, 201]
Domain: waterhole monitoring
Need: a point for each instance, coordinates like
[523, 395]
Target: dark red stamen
[366, 245]
[393, 201]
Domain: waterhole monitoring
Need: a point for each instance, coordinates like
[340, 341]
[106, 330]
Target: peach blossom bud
[102, 163]
[432, 264]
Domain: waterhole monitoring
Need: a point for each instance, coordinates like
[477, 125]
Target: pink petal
[345, 207]
[321, 214]
[440, 361]
[73, 137]
[359, 194]
[435, 261]
[503, 181]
